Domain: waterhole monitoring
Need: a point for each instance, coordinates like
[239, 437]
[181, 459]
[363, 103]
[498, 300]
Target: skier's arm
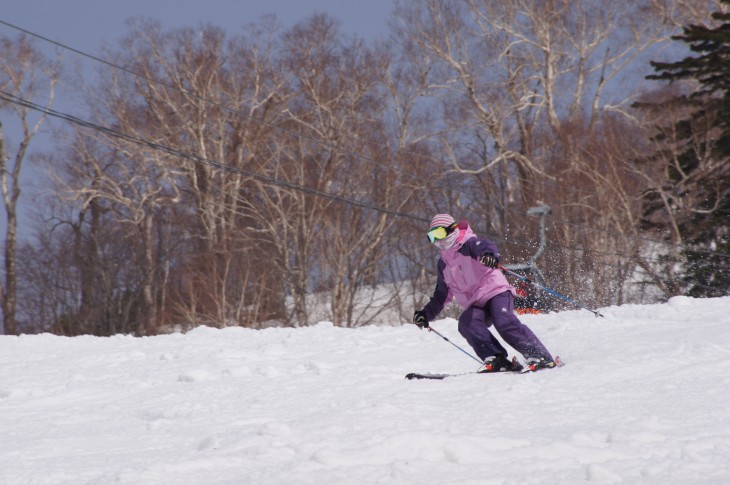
[479, 247]
[441, 295]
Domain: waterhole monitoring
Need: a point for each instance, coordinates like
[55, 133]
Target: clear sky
[88, 24]
[84, 24]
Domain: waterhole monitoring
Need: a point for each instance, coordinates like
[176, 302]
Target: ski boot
[500, 363]
[539, 363]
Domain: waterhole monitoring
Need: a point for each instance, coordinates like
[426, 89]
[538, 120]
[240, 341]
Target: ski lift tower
[530, 269]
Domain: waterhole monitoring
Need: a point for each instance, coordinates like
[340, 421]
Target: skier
[467, 272]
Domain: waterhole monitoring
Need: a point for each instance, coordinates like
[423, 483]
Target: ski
[416, 375]
[526, 370]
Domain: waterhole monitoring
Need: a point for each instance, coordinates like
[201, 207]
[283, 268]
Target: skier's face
[448, 241]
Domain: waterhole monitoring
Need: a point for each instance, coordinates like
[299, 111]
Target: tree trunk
[11, 193]
[10, 292]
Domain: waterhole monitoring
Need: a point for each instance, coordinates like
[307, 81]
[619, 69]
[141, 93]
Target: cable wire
[189, 156]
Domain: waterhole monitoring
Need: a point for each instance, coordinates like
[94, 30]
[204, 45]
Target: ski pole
[552, 292]
[452, 343]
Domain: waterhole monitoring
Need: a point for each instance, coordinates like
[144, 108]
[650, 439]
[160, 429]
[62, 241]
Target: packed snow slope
[643, 398]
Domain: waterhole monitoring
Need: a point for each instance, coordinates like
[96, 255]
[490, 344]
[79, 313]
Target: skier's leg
[500, 310]
[474, 327]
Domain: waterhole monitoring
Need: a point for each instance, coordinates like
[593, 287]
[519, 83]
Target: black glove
[489, 260]
[419, 318]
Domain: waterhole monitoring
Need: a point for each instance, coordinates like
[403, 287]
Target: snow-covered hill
[643, 398]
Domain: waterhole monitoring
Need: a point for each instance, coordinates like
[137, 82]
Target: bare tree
[189, 211]
[25, 74]
[337, 107]
[529, 92]
[134, 186]
[222, 186]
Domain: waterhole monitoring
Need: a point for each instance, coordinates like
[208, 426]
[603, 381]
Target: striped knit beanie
[441, 220]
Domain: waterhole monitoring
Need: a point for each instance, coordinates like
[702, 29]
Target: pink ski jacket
[463, 278]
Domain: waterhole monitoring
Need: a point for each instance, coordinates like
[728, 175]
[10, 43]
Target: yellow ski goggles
[439, 233]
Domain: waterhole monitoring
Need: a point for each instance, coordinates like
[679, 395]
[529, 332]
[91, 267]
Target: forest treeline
[203, 177]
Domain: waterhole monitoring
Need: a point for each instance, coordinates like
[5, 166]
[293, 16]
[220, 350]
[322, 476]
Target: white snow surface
[642, 399]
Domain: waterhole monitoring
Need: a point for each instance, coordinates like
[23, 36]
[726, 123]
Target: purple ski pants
[474, 326]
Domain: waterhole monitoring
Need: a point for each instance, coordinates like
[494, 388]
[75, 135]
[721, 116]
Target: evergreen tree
[701, 187]
[710, 68]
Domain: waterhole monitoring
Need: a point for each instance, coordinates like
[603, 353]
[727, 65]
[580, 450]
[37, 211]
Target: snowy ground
[643, 398]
